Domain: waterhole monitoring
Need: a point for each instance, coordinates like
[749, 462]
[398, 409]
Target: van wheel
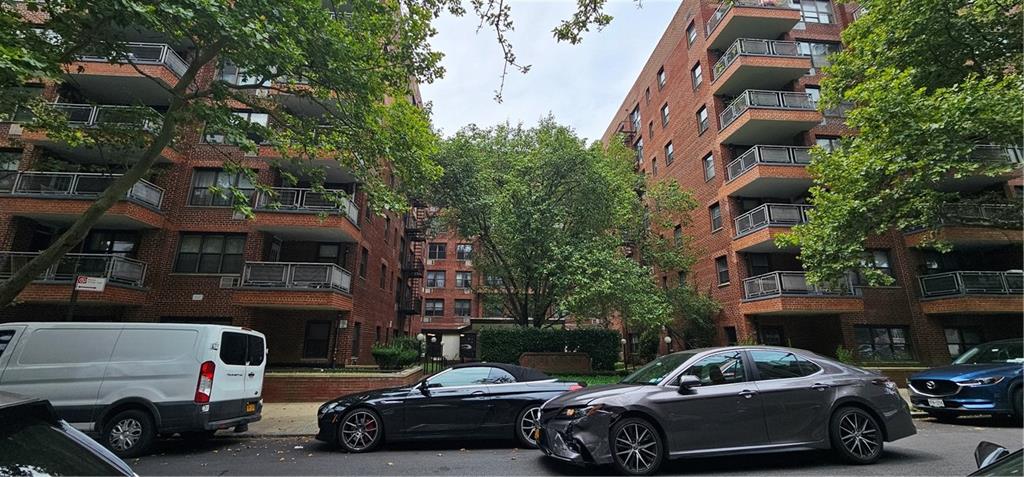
[128, 433]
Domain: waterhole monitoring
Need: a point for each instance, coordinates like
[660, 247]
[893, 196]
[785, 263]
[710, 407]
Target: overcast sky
[582, 85]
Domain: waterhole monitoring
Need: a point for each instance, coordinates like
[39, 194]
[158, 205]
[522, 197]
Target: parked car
[993, 460]
[129, 382]
[984, 380]
[33, 441]
[726, 401]
[469, 401]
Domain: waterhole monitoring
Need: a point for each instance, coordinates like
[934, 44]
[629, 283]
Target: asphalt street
[937, 449]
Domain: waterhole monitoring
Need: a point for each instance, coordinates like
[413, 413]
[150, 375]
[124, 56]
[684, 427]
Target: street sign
[92, 284]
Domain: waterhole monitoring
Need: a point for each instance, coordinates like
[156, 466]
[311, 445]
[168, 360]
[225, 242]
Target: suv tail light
[205, 385]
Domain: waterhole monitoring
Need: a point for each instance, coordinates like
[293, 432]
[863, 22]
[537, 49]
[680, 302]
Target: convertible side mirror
[686, 382]
[424, 389]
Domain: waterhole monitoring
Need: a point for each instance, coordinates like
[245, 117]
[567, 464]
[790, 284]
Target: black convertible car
[470, 401]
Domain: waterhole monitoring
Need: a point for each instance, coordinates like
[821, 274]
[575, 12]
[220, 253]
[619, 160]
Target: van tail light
[205, 385]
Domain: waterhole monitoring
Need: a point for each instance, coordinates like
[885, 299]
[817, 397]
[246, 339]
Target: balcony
[292, 285]
[757, 117]
[415, 227]
[307, 214]
[59, 198]
[756, 229]
[992, 155]
[410, 303]
[972, 292]
[789, 293]
[125, 278]
[973, 225]
[109, 79]
[752, 63]
[769, 171]
[767, 19]
[412, 268]
[122, 119]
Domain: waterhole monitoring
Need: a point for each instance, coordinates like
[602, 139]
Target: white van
[129, 382]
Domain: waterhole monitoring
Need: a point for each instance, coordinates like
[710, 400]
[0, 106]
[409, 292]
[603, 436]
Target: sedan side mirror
[686, 382]
[986, 453]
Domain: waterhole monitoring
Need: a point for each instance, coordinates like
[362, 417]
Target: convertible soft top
[521, 373]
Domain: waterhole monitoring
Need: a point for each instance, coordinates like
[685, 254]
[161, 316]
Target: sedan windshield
[657, 370]
[992, 353]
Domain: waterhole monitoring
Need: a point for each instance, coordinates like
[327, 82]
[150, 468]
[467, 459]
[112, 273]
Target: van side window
[5, 339]
[256, 352]
[233, 348]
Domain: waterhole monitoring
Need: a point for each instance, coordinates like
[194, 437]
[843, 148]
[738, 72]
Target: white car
[129, 382]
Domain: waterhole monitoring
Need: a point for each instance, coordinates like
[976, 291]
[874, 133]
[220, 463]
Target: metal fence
[719, 15]
[304, 199]
[146, 53]
[752, 47]
[761, 99]
[77, 186]
[296, 275]
[771, 215]
[775, 155]
[114, 268]
[791, 283]
[972, 283]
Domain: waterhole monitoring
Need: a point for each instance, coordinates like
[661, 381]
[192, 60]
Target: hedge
[505, 345]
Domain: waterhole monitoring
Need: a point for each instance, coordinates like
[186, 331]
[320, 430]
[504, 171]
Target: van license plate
[250, 407]
[936, 403]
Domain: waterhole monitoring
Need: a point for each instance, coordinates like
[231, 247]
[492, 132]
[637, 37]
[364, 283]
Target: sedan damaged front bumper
[581, 441]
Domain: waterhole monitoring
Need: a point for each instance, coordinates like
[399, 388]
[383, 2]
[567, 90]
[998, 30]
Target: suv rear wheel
[128, 433]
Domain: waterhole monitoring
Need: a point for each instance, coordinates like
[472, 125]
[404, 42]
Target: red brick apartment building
[323, 290]
[725, 105]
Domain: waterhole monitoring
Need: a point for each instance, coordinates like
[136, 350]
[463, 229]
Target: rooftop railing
[752, 47]
[791, 283]
[971, 283]
[727, 5]
[774, 155]
[76, 186]
[771, 215]
[307, 200]
[296, 276]
[115, 268]
[146, 53]
[760, 99]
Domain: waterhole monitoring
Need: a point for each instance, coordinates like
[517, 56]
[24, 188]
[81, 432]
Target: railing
[115, 268]
[307, 200]
[727, 5]
[771, 215]
[791, 283]
[774, 155]
[294, 275]
[87, 115]
[972, 283]
[859, 12]
[761, 99]
[77, 185]
[992, 215]
[413, 267]
[994, 153]
[750, 47]
[146, 53]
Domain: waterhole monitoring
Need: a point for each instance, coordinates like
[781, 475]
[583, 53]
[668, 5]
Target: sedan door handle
[477, 393]
[820, 386]
[747, 393]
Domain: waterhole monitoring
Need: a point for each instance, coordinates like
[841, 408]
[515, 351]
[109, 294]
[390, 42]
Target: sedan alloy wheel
[637, 447]
[856, 436]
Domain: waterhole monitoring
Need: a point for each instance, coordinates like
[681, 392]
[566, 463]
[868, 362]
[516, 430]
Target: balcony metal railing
[296, 275]
[115, 268]
[991, 215]
[306, 200]
[727, 5]
[995, 153]
[413, 267]
[87, 115]
[751, 47]
[774, 155]
[76, 186]
[146, 54]
[859, 12]
[760, 99]
[791, 283]
[972, 283]
[771, 215]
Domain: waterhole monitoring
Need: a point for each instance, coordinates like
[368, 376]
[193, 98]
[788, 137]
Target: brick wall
[308, 387]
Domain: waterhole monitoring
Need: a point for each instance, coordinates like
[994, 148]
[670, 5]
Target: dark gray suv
[724, 401]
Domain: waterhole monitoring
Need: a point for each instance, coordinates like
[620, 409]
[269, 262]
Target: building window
[758, 264]
[463, 307]
[883, 343]
[329, 253]
[731, 338]
[494, 281]
[691, 33]
[437, 251]
[204, 179]
[364, 258]
[464, 251]
[677, 235]
[463, 279]
[357, 338]
[654, 166]
[664, 115]
[639, 146]
[647, 96]
[112, 242]
[376, 335]
[387, 228]
[876, 259]
[829, 144]
[435, 279]
[715, 211]
[650, 129]
[634, 118]
[772, 335]
[433, 307]
[819, 53]
[383, 275]
[702, 120]
[722, 267]
[317, 339]
[815, 11]
[959, 340]
[814, 93]
[670, 153]
[661, 78]
[259, 120]
[210, 253]
[709, 167]
[696, 76]
[681, 277]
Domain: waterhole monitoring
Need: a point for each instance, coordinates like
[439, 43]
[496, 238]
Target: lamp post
[625, 355]
[668, 344]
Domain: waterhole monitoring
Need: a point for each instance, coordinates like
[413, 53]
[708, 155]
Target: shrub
[505, 345]
[394, 356]
[406, 342]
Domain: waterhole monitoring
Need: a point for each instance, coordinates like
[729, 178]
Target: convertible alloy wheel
[529, 426]
[857, 436]
[637, 447]
[360, 431]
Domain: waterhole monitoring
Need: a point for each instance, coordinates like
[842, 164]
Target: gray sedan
[725, 401]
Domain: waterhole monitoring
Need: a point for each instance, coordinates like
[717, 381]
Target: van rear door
[255, 365]
[229, 374]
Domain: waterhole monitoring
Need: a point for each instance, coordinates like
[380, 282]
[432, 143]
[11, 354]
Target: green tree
[554, 221]
[929, 80]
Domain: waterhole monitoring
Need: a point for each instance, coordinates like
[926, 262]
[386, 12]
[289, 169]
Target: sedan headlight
[577, 412]
[981, 381]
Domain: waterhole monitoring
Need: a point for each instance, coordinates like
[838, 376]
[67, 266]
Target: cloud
[581, 85]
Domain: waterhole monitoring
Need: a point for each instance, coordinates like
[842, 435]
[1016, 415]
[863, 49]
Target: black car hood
[371, 395]
[586, 395]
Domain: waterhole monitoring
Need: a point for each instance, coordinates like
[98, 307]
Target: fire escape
[410, 302]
